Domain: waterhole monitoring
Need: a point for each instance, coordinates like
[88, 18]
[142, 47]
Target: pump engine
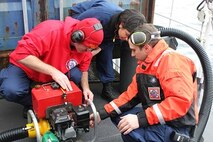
[63, 109]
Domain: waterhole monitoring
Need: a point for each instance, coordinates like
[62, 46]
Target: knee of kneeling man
[12, 94]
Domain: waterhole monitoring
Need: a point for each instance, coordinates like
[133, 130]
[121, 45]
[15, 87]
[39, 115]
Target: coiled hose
[206, 104]
[13, 134]
[21, 132]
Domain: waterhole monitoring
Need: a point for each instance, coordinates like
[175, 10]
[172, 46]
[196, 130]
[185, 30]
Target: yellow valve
[44, 126]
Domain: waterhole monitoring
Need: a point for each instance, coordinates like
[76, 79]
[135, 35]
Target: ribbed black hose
[13, 134]
[207, 71]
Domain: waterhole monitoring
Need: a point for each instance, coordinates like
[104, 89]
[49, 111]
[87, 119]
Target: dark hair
[131, 19]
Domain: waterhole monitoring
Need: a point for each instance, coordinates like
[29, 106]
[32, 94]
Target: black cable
[13, 134]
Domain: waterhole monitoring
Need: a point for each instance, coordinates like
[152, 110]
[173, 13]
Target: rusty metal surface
[12, 24]
[4, 58]
[42, 10]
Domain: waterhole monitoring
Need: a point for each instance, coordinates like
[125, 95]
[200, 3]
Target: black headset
[78, 36]
[140, 38]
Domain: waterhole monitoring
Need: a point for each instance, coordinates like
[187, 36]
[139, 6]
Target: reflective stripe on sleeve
[159, 114]
[115, 107]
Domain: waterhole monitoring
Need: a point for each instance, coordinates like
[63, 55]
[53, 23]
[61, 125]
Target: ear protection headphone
[140, 38]
[78, 36]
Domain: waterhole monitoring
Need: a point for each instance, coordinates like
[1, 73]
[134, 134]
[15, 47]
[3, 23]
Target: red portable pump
[49, 95]
[57, 115]
[62, 109]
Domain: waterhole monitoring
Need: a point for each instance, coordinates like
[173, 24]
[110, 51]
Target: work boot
[108, 92]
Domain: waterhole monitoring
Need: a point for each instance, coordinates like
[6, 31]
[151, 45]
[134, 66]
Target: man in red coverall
[165, 85]
[53, 51]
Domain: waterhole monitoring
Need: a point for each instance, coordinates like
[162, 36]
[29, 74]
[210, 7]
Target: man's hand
[88, 94]
[128, 123]
[38, 65]
[92, 120]
[62, 80]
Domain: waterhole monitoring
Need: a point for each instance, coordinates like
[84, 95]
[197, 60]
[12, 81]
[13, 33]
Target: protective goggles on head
[140, 38]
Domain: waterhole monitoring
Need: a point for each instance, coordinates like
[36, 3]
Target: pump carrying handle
[31, 117]
[95, 118]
